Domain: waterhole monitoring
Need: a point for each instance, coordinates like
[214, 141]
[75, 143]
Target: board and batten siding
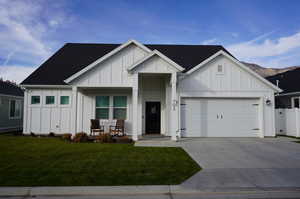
[42, 118]
[233, 82]
[87, 107]
[113, 71]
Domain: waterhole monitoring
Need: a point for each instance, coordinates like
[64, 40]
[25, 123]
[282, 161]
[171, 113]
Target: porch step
[156, 142]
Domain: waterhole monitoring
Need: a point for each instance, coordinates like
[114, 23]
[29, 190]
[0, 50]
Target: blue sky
[263, 32]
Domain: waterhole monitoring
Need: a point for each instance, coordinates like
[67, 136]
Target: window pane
[296, 102]
[120, 113]
[35, 99]
[120, 101]
[102, 113]
[102, 101]
[64, 99]
[12, 108]
[18, 109]
[49, 99]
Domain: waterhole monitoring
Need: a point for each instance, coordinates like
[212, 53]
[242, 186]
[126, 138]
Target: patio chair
[96, 127]
[118, 129]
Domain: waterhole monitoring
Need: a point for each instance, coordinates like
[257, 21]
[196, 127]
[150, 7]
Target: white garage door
[215, 117]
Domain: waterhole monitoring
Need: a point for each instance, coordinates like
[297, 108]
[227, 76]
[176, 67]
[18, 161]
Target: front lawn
[31, 161]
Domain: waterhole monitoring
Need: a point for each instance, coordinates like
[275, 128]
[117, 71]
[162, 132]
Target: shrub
[67, 136]
[51, 134]
[32, 134]
[104, 138]
[80, 137]
[123, 139]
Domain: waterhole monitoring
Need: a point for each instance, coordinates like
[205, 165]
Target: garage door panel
[220, 117]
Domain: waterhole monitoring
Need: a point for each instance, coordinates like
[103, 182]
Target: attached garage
[220, 117]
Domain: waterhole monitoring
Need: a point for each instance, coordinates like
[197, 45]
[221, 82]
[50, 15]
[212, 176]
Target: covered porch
[149, 107]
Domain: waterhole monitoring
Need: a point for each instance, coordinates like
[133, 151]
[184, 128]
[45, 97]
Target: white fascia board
[15, 96]
[101, 59]
[156, 52]
[45, 86]
[290, 94]
[221, 52]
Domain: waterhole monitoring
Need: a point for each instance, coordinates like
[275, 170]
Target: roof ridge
[149, 44]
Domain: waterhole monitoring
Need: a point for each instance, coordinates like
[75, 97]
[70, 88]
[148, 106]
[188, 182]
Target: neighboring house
[173, 90]
[11, 107]
[289, 82]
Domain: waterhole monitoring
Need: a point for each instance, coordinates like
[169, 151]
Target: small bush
[104, 138]
[51, 134]
[123, 139]
[32, 134]
[67, 136]
[80, 137]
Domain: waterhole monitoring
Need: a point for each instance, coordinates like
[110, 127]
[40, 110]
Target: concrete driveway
[244, 163]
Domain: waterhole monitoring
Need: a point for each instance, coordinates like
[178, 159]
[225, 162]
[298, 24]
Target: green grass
[298, 139]
[30, 161]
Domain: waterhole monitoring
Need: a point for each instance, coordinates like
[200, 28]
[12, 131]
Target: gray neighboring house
[11, 107]
[289, 82]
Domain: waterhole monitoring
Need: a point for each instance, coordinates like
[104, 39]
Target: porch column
[135, 96]
[74, 110]
[174, 107]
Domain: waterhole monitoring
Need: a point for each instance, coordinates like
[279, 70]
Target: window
[14, 109]
[120, 107]
[111, 107]
[64, 100]
[35, 99]
[50, 100]
[220, 68]
[296, 102]
[102, 107]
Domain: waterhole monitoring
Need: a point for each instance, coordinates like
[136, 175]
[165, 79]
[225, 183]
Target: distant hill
[265, 72]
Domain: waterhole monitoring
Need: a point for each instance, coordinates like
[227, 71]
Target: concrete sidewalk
[134, 190]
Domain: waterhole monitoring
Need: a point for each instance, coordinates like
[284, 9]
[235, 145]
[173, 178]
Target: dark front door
[152, 117]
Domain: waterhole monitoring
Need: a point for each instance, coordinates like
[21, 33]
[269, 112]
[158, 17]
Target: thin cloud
[15, 73]
[267, 48]
[209, 41]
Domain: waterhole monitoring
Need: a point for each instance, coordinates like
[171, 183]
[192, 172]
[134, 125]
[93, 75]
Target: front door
[152, 117]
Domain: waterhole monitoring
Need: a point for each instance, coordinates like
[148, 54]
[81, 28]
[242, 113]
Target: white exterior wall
[288, 122]
[234, 82]
[87, 104]
[153, 89]
[113, 71]
[42, 118]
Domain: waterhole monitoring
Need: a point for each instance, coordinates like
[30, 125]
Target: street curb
[83, 190]
[129, 190]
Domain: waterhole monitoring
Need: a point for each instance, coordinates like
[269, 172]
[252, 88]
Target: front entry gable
[111, 72]
[155, 62]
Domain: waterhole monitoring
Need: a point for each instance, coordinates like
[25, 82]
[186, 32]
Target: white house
[173, 90]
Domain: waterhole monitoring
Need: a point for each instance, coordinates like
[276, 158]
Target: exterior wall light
[174, 104]
[268, 102]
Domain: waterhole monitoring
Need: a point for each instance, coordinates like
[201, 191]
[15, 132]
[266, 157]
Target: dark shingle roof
[73, 57]
[288, 81]
[8, 88]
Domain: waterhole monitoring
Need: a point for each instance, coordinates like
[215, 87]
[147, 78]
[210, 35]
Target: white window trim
[223, 69]
[20, 112]
[111, 106]
[98, 107]
[112, 102]
[293, 104]
[45, 101]
[39, 104]
[64, 105]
